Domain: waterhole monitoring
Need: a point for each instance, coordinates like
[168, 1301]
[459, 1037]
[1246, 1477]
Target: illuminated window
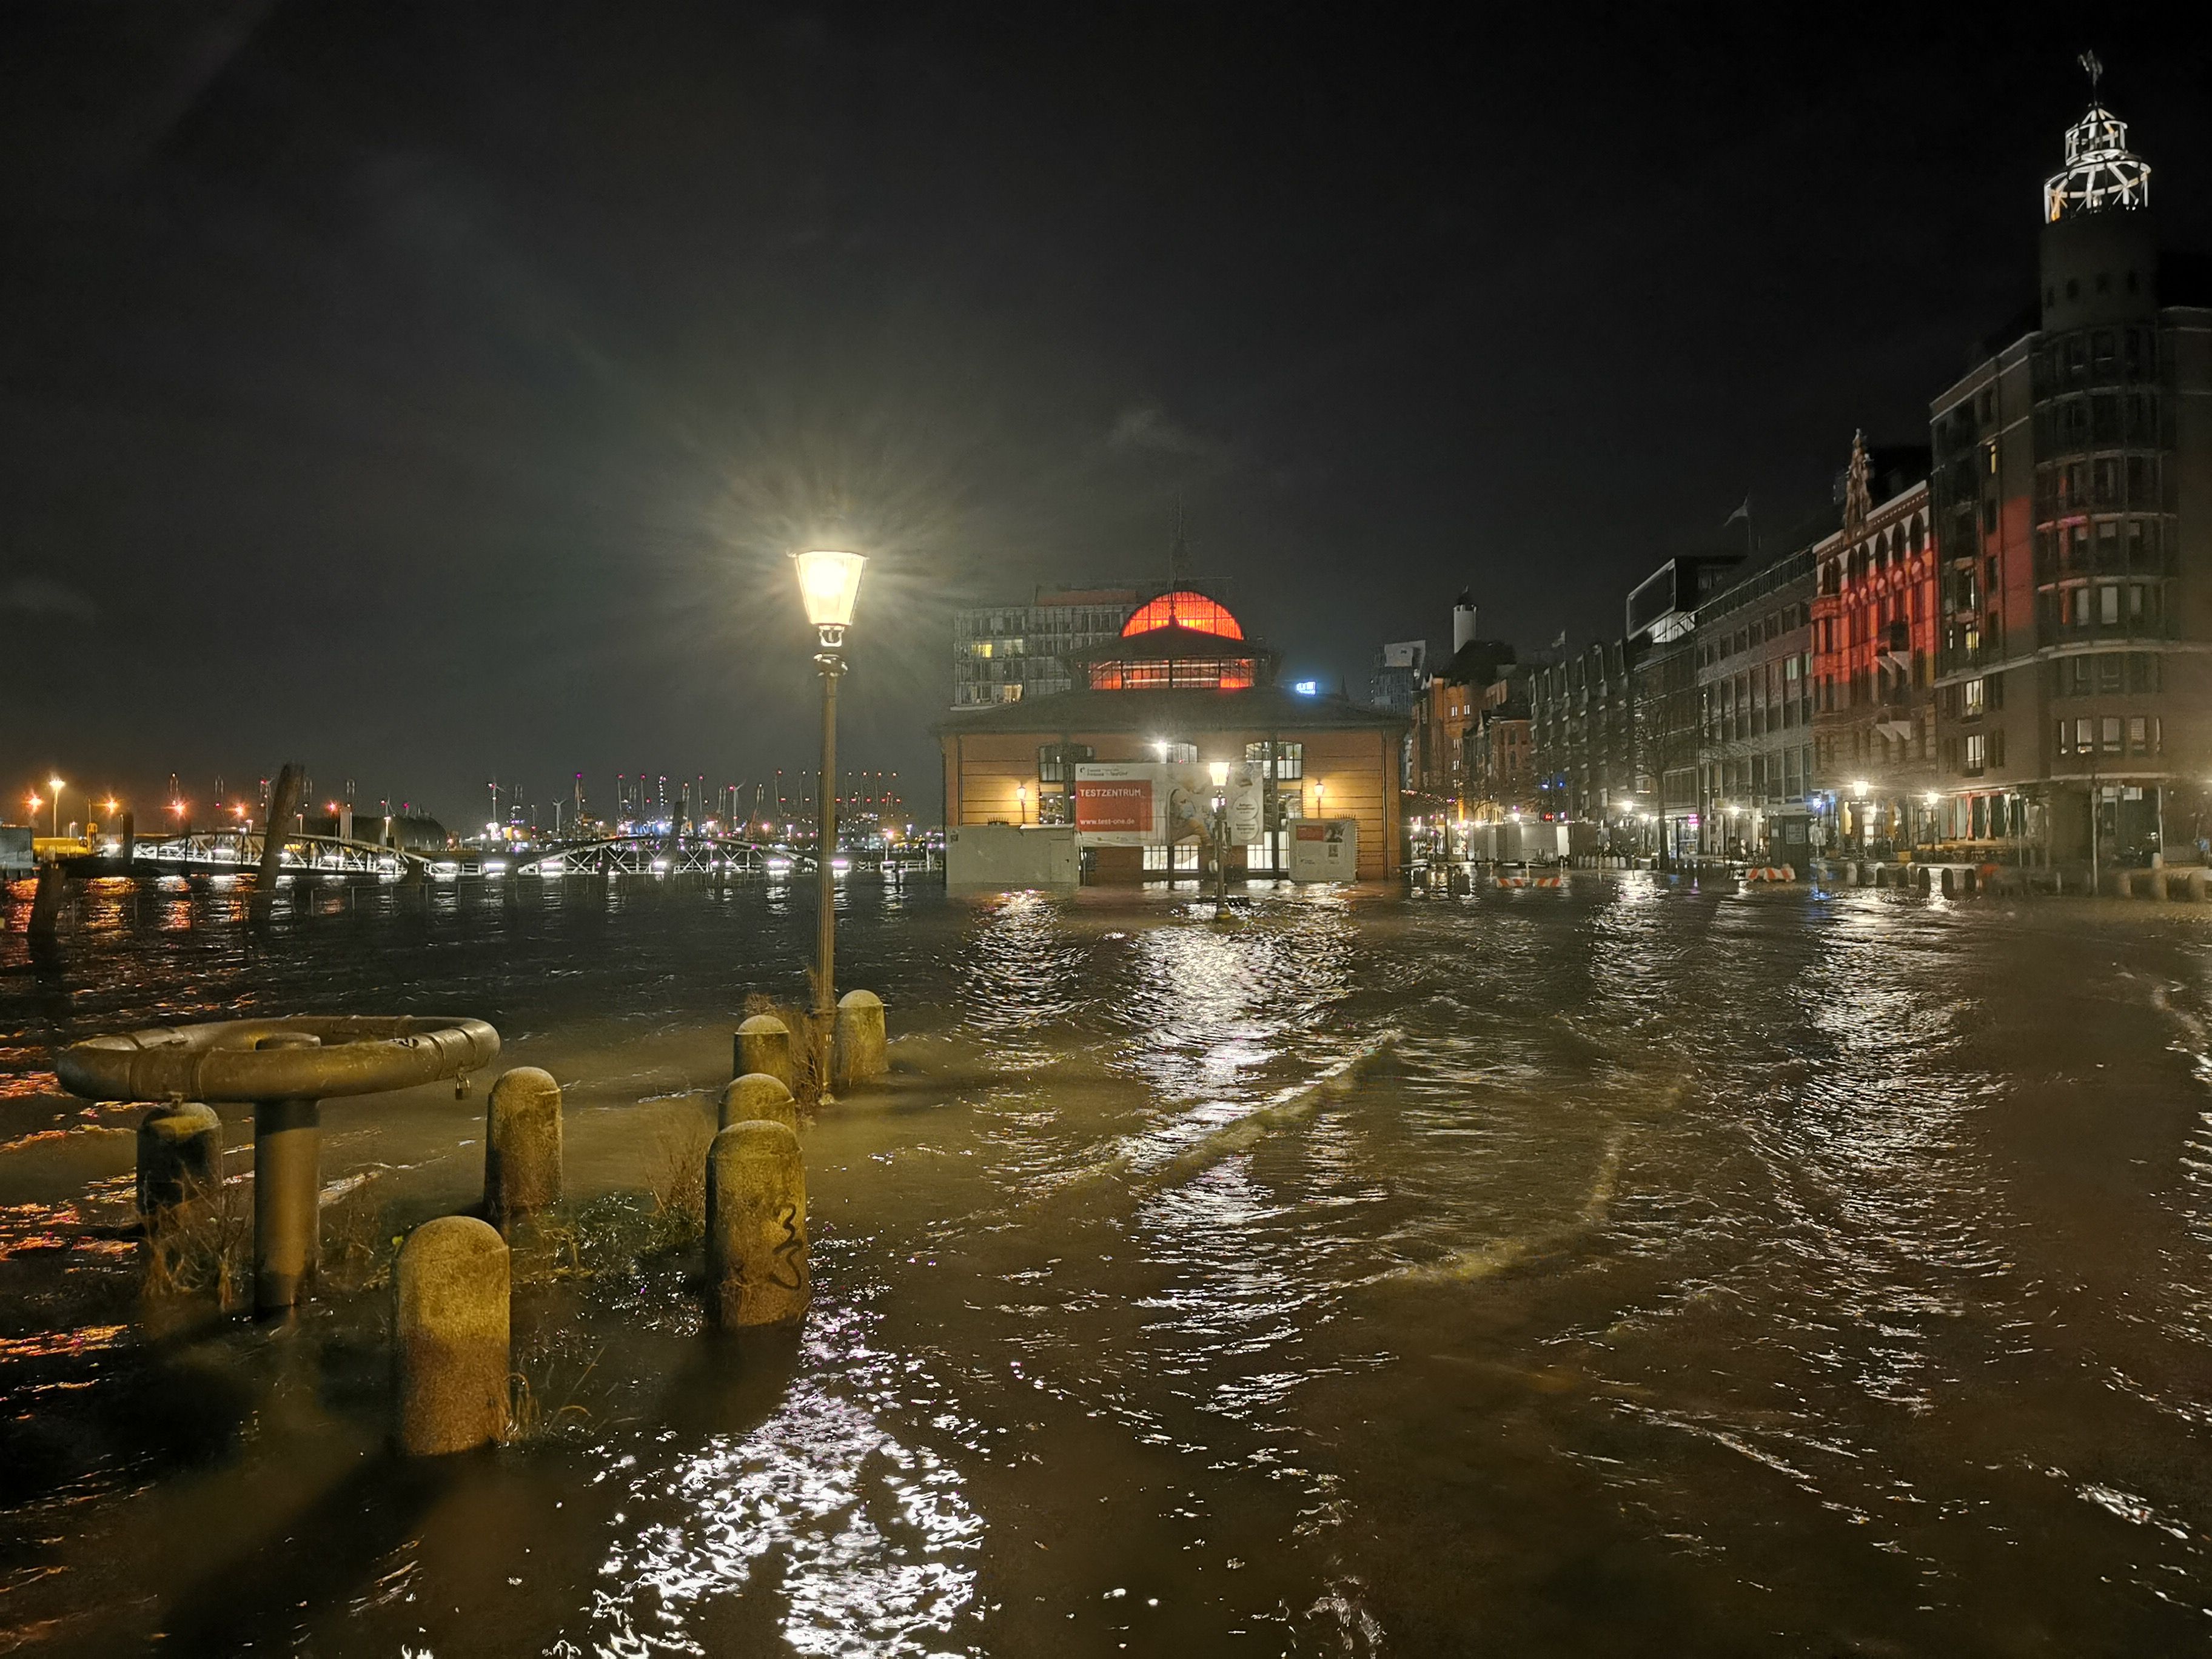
[1183, 609]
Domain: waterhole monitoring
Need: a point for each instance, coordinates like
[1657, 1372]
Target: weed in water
[203, 1245]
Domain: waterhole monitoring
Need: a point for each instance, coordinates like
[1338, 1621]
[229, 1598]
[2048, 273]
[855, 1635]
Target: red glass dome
[1183, 609]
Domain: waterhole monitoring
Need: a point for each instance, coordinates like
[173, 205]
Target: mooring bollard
[757, 1225]
[857, 1045]
[757, 1098]
[46, 903]
[522, 1145]
[450, 1339]
[763, 1045]
[287, 1191]
[180, 1158]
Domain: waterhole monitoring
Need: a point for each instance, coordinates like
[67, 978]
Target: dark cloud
[39, 596]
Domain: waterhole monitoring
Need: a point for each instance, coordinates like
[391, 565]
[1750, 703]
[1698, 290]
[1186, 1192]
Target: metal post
[830, 659]
[287, 1192]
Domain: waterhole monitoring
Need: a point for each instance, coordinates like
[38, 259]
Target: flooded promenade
[1681, 1273]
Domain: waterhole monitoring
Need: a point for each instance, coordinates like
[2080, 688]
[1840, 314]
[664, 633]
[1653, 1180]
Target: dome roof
[1182, 608]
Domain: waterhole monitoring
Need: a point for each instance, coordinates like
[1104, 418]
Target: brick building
[1180, 682]
[1874, 660]
[2073, 513]
[1755, 703]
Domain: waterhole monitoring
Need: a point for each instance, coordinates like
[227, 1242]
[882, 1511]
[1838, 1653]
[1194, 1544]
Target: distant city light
[1306, 687]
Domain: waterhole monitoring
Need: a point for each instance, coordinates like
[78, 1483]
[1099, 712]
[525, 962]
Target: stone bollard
[1970, 881]
[757, 1225]
[522, 1145]
[757, 1098]
[1924, 880]
[763, 1045]
[180, 1158]
[1950, 887]
[2195, 880]
[287, 1191]
[450, 1337]
[857, 1047]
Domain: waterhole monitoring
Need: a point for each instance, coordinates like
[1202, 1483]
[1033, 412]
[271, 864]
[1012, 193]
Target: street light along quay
[829, 584]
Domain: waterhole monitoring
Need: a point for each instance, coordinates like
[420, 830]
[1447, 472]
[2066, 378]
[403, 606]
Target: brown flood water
[1695, 1273]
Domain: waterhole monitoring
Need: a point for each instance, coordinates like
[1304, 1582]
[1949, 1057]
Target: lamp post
[828, 583]
[55, 784]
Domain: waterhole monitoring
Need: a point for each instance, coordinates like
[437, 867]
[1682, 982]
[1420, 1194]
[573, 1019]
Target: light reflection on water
[1695, 1273]
[864, 1544]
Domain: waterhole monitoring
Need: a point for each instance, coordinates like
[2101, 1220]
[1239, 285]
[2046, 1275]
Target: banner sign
[1117, 806]
[1148, 804]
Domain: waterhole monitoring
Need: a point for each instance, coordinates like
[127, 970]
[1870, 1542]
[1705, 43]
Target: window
[1176, 754]
[2108, 734]
[1975, 699]
[1290, 758]
[979, 647]
[2084, 738]
[1976, 748]
[2109, 669]
[2108, 605]
[1055, 760]
[2136, 730]
[1183, 855]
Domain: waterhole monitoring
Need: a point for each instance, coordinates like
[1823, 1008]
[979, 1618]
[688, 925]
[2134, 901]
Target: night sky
[429, 393]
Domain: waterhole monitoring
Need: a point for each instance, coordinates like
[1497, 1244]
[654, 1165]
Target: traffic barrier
[762, 1044]
[757, 1225]
[757, 1097]
[1770, 872]
[859, 1040]
[451, 1337]
[522, 1145]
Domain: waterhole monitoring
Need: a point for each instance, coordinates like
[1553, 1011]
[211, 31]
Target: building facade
[1180, 682]
[1662, 613]
[1501, 777]
[1874, 662]
[1754, 670]
[1582, 735]
[2073, 509]
[1002, 653]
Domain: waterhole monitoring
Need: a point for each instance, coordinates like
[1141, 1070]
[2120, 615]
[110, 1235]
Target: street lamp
[55, 784]
[828, 583]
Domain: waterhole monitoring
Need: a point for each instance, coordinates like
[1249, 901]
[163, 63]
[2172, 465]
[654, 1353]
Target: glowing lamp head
[1859, 788]
[54, 784]
[1218, 771]
[829, 584]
